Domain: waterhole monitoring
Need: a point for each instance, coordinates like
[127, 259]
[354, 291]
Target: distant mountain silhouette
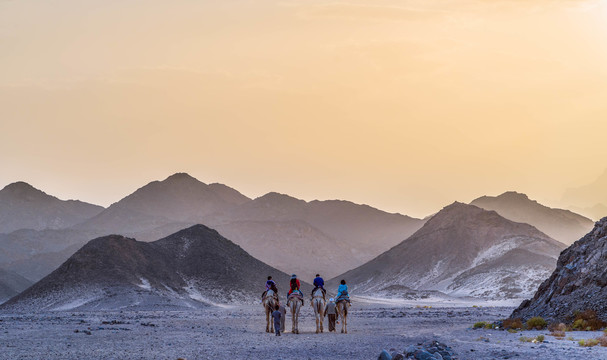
[562, 225]
[194, 267]
[590, 199]
[578, 283]
[464, 251]
[11, 284]
[179, 198]
[304, 237]
[24, 207]
[328, 237]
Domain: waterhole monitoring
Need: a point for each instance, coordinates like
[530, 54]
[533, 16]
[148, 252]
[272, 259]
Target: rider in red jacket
[294, 284]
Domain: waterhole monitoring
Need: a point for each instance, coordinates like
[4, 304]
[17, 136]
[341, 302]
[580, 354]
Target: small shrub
[560, 335]
[560, 327]
[512, 331]
[490, 326]
[603, 340]
[537, 323]
[588, 342]
[480, 325]
[513, 324]
[571, 338]
[537, 339]
[587, 320]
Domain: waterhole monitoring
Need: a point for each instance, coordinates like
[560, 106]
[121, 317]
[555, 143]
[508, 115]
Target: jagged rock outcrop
[579, 282]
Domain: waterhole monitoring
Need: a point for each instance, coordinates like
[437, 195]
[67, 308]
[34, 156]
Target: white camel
[318, 303]
[294, 303]
[269, 303]
[342, 310]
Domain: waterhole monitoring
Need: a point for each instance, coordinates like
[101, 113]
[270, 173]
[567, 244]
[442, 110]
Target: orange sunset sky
[400, 104]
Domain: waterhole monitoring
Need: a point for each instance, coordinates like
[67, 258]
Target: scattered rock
[432, 350]
[384, 355]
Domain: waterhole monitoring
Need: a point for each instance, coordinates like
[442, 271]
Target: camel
[318, 303]
[269, 303]
[342, 310]
[294, 303]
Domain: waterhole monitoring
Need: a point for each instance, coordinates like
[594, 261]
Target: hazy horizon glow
[403, 105]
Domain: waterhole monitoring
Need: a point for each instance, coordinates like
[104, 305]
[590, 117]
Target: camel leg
[322, 318]
[346, 324]
[267, 320]
[271, 325]
[298, 306]
[317, 321]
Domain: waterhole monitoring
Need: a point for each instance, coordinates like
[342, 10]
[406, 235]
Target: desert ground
[238, 332]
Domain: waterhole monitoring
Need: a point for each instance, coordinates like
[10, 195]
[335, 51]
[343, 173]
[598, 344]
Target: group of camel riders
[319, 283]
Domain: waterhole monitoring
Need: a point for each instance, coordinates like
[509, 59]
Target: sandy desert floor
[239, 333]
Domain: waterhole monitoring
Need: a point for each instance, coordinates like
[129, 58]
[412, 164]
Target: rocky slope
[179, 198]
[463, 251]
[579, 282]
[329, 237]
[11, 284]
[191, 268]
[24, 207]
[562, 225]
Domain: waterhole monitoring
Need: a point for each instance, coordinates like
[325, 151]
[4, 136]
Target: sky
[405, 105]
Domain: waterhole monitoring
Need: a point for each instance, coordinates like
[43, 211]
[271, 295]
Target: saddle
[344, 297]
[296, 294]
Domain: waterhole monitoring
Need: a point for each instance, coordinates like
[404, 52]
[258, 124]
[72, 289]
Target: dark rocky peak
[579, 282]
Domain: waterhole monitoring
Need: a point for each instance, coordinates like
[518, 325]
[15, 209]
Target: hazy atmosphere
[403, 105]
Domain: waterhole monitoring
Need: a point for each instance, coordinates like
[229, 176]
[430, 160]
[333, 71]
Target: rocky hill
[579, 282]
[328, 237]
[179, 198]
[275, 228]
[11, 284]
[463, 251]
[192, 268]
[562, 225]
[24, 207]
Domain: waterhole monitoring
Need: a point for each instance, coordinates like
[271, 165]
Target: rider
[294, 285]
[319, 283]
[342, 292]
[270, 285]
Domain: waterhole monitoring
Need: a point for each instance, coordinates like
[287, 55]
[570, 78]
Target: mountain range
[326, 237]
[562, 225]
[463, 250]
[24, 207]
[192, 268]
[296, 236]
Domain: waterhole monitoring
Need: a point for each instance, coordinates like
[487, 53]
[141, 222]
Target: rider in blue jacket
[319, 283]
